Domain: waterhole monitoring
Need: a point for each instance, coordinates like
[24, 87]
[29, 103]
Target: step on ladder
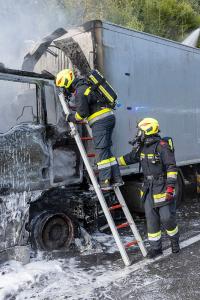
[107, 211]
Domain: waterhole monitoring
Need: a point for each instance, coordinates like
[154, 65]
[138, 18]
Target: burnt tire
[52, 231]
[131, 193]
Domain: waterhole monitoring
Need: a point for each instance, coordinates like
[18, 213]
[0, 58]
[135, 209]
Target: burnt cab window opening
[50, 104]
[18, 104]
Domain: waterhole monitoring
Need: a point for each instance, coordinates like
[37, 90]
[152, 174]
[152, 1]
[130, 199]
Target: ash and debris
[102, 275]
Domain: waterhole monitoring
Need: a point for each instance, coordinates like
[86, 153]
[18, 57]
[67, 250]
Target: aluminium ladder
[122, 204]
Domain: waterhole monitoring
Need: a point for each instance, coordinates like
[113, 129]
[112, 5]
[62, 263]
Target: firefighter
[157, 160]
[101, 120]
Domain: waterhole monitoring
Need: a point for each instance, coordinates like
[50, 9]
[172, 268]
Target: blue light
[119, 105]
[132, 108]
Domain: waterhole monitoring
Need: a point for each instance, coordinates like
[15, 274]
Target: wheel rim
[53, 232]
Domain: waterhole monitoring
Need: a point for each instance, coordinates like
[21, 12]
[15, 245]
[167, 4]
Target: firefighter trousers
[165, 215]
[102, 137]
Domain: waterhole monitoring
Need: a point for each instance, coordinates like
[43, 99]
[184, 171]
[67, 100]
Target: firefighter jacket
[158, 164]
[88, 103]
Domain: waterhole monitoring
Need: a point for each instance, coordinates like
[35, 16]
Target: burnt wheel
[52, 231]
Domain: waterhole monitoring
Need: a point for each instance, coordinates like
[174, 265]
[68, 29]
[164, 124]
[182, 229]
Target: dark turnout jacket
[158, 165]
[87, 103]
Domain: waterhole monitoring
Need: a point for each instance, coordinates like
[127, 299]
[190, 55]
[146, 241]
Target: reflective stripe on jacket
[98, 115]
[107, 163]
[105, 112]
[159, 167]
[88, 105]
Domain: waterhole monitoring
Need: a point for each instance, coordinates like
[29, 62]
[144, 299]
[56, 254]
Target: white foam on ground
[14, 276]
[108, 242]
[61, 278]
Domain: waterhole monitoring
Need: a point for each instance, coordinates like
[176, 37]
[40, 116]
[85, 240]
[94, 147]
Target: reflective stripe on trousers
[107, 163]
[157, 235]
[172, 232]
[154, 236]
[172, 175]
[165, 215]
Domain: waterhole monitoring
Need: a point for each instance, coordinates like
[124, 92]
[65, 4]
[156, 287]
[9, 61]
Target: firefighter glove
[170, 193]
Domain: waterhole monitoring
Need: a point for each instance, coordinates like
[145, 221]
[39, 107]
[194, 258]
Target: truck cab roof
[4, 72]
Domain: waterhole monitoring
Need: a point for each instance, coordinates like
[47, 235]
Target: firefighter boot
[152, 253]
[105, 185]
[117, 181]
[175, 246]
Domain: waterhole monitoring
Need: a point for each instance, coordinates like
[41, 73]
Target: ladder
[107, 211]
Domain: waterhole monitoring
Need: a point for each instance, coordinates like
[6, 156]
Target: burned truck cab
[41, 172]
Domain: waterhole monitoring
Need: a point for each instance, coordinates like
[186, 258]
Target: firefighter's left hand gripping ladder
[106, 210]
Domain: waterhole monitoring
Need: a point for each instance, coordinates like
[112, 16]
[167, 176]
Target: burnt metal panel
[24, 76]
[73, 51]
[24, 159]
[32, 58]
[62, 49]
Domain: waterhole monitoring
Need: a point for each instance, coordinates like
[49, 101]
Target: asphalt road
[173, 276]
[103, 276]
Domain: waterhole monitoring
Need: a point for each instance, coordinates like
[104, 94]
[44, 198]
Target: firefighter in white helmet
[157, 160]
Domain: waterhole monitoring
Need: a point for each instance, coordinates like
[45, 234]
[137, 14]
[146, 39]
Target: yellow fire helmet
[65, 78]
[149, 126]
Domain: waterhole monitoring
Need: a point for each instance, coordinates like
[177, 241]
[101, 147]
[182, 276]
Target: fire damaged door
[66, 165]
[24, 155]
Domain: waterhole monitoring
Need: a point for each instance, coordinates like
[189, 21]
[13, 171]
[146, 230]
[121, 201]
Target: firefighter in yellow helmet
[157, 160]
[101, 120]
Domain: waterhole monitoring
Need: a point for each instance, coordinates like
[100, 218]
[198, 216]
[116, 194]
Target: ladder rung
[115, 207]
[123, 225]
[130, 244]
[91, 154]
[86, 138]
